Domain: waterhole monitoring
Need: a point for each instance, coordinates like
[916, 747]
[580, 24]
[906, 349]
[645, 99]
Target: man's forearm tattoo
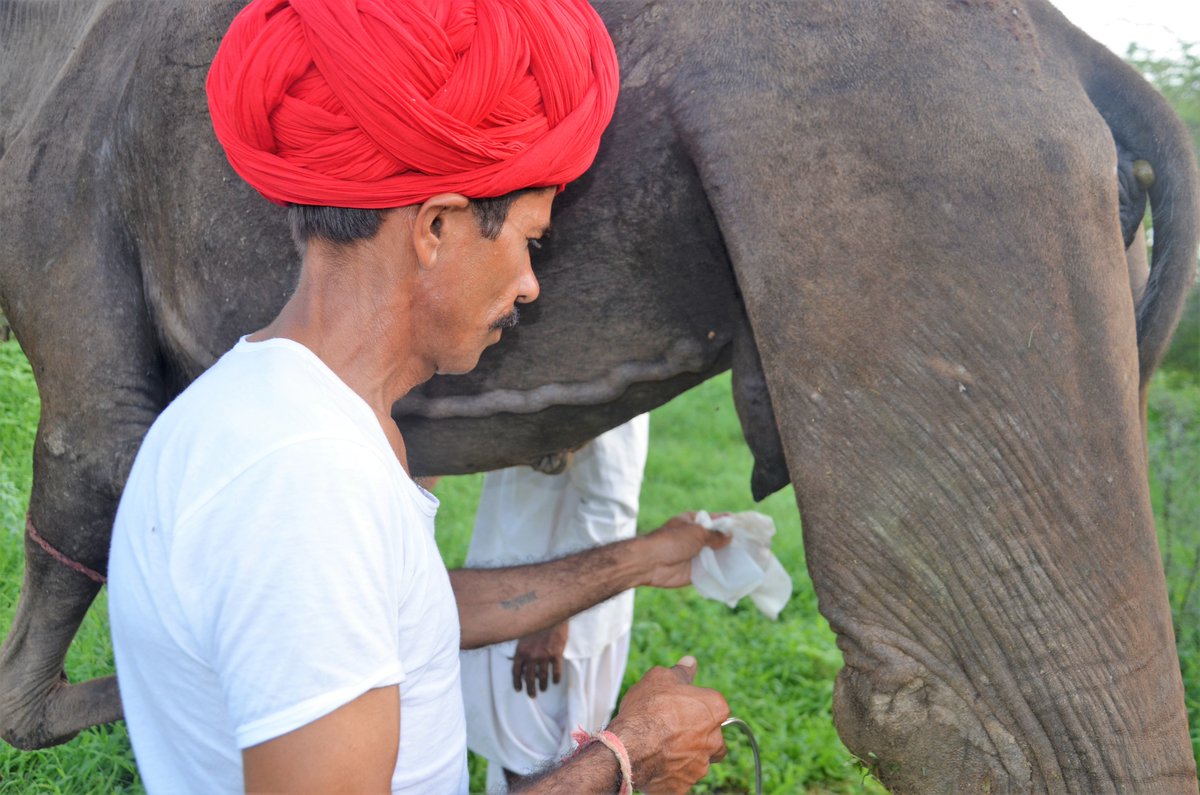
[517, 602]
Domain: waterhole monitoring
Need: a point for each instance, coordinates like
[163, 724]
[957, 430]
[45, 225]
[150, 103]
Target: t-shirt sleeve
[287, 577]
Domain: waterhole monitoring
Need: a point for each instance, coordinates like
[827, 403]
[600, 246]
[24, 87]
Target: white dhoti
[525, 516]
[512, 730]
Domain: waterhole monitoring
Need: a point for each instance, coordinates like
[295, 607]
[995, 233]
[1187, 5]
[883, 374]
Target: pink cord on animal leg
[73, 565]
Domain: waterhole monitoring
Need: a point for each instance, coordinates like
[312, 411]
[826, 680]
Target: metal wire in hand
[745, 727]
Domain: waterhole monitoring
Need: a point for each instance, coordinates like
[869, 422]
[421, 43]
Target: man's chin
[460, 366]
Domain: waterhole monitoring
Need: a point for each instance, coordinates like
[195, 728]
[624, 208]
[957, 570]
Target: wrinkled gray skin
[915, 205]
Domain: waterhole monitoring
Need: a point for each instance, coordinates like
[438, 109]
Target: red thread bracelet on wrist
[613, 743]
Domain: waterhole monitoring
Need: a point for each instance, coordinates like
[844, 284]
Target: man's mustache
[508, 321]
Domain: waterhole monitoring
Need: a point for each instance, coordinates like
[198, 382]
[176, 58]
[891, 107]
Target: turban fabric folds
[385, 103]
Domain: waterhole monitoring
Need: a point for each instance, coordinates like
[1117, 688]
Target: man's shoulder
[266, 394]
[246, 411]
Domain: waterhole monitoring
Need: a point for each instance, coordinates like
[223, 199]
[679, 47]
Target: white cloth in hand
[746, 567]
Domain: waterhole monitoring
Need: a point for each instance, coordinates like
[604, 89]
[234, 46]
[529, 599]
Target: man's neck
[356, 317]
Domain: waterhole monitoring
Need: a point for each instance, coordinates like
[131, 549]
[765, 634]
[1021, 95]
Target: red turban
[384, 103]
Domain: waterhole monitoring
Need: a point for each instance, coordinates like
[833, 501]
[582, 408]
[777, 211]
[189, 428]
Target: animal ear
[433, 217]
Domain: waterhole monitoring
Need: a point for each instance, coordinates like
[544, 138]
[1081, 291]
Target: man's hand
[671, 728]
[671, 548]
[536, 656]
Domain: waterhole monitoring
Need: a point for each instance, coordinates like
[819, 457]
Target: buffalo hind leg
[99, 373]
[81, 459]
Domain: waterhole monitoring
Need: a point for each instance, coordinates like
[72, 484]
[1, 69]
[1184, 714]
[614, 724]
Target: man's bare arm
[501, 604]
[593, 769]
[350, 750]
[506, 603]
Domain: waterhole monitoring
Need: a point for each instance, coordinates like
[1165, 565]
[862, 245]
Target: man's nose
[529, 289]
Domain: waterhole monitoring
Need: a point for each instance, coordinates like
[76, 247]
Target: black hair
[342, 225]
[492, 213]
[346, 225]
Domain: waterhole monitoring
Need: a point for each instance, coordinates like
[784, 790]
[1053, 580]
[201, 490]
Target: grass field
[777, 676]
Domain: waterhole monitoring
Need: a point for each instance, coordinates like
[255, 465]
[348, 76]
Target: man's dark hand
[671, 729]
[538, 658]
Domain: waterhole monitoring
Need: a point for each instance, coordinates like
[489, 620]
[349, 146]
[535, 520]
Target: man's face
[474, 295]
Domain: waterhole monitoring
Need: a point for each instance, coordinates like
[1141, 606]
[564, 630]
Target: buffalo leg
[946, 330]
[100, 378]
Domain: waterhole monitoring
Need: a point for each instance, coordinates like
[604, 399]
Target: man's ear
[434, 216]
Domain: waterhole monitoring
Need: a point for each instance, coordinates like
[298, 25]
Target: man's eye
[533, 242]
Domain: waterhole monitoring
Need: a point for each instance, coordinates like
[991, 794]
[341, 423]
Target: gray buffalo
[899, 224]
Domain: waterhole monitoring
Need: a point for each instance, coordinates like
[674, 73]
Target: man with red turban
[281, 617]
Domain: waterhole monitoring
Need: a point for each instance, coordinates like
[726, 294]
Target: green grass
[1174, 436]
[778, 676]
[18, 422]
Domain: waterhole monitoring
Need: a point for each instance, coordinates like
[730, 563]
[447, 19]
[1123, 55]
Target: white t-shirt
[271, 561]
